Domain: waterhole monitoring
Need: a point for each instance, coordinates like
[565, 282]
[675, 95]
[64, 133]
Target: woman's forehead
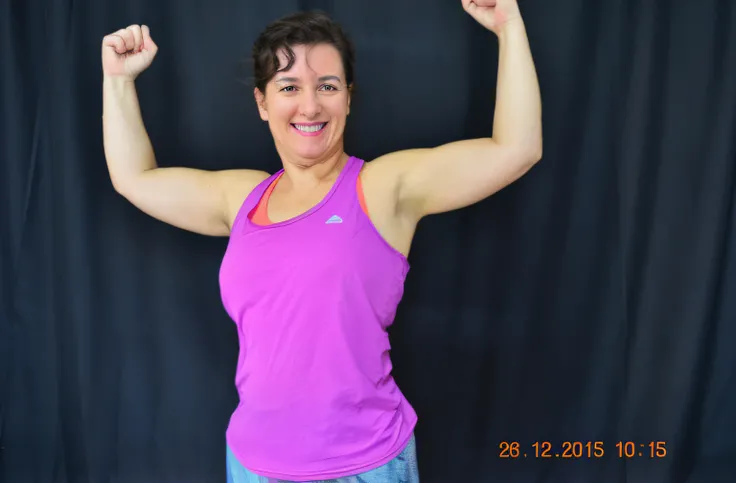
[312, 61]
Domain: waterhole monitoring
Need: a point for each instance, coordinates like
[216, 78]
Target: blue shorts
[402, 469]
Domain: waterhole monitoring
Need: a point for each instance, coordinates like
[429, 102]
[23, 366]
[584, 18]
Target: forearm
[128, 149]
[518, 114]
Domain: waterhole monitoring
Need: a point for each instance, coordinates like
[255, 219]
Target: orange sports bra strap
[260, 214]
[361, 196]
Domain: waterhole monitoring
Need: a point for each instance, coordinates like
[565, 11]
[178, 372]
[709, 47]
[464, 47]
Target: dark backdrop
[594, 300]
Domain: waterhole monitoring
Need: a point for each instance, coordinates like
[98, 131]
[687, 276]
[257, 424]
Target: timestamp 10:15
[588, 449]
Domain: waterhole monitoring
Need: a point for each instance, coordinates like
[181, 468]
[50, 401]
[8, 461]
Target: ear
[350, 96]
[261, 103]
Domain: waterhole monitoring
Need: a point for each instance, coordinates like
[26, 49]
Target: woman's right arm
[200, 201]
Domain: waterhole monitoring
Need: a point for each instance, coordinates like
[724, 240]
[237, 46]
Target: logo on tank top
[333, 219]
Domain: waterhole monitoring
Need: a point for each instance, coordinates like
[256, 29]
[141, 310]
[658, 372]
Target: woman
[317, 254]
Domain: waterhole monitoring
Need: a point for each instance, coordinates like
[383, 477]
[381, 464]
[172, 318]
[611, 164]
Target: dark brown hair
[302, 28]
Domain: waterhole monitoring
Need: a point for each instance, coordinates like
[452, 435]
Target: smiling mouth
[310, 128]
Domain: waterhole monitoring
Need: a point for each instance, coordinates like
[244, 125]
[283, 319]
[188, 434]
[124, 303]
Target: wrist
[117, 80]
[510, 26]
[119, 87]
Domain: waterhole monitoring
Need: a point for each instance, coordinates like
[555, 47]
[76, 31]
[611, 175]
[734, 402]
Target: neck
[308, 173]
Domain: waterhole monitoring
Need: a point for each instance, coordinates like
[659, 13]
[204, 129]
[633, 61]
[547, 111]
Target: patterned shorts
[402, 469]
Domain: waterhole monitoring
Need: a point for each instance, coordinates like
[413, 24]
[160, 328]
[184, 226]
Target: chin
[310, 158]
[314, 153]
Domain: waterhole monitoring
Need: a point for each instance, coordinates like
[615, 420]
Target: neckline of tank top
[267, 182]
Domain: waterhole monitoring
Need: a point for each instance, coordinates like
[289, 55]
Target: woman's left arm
[461, 173]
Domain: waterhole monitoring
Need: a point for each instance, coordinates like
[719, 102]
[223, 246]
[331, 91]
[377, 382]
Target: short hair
[302, 28]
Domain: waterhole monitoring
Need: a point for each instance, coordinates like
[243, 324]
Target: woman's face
[307, 106]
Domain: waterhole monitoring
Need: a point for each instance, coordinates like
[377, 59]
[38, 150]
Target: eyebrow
[321, 79]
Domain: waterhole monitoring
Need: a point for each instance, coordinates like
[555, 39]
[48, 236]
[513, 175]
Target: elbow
[536, 153]
[122, 185]
[525, 151]
[529, 154]
[118, 185]
[535, 149]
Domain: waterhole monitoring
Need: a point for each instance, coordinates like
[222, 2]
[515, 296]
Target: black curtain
[592, 301]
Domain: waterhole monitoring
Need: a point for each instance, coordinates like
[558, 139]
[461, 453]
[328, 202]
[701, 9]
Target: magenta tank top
[312, 298]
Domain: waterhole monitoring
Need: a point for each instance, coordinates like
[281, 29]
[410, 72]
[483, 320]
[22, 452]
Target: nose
[310, 106]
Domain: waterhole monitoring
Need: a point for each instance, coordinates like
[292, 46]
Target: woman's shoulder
[237, 185]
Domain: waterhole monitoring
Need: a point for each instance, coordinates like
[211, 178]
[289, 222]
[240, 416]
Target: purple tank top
[312, 298]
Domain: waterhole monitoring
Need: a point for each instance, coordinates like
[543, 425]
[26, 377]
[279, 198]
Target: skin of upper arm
[204, 202]
[452, 176]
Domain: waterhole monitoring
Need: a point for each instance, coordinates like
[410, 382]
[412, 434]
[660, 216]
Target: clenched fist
[128, 52]
[492, 14]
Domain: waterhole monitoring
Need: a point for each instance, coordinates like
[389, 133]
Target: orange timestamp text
[581, 449]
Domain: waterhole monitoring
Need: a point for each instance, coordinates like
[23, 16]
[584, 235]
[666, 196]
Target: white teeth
[314, 128]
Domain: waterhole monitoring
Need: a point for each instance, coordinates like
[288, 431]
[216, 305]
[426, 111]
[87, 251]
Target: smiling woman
[304, 71]
[307, 110]
[317, 255]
